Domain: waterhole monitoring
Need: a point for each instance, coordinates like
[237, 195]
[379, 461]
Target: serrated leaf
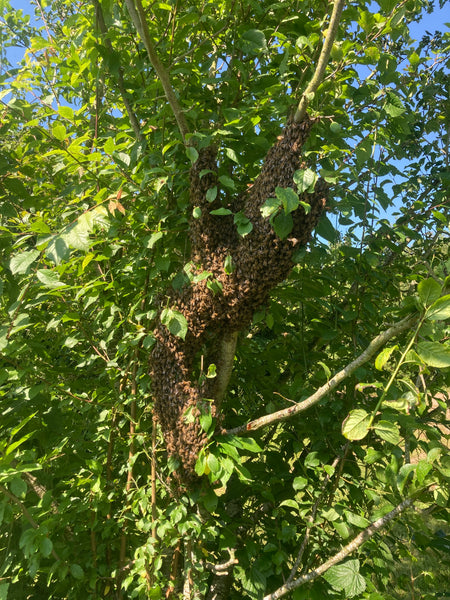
[429, 291]
[384, 356]
[21, 262]
[254, 41]
[356, 425]
[282, 225]
[394, 106]
[77, 237]
[288, 198]
[423, 468]
[49, 278]
[387, 431]
[434, 354]
[346, 577]
[305, 180]
[58, 250]
[439, 310]
[175, 322]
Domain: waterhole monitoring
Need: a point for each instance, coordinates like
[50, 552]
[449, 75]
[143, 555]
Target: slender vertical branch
[322, 62]
[137, 15]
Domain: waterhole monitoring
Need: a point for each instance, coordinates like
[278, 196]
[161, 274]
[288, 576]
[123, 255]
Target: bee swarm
[260, 260]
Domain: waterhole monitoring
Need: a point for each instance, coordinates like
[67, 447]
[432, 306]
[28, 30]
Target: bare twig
[323, 61]
[287, 413]
[346, 550]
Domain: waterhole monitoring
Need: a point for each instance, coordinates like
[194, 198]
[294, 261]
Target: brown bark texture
[260, 260]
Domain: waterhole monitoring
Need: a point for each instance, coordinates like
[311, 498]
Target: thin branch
[312, 516]
[120, 81]
[323, 61]
[346, 550]
[137, 15]
[287, 413]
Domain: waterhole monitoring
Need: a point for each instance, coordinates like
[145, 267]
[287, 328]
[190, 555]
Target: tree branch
[137, 15]
[286, 413]
[323, 61]
[346, 550]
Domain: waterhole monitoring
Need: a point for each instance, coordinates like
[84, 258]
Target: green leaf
[434, 354]
[221, 212]
[59, 132]
[46, 547]
[394, 106]
[197, 212]
[175, 322]
[270, 206]
[356, 425]
[346, 577]
[282, 225]
[21, 262]
[228, 266]
[384, 356]
[18, 487]
[439, 310]
[243, 224]
[253, 41]
[288, 198]
[232, 155]
[299, 483]
[4, 590]
[66, 112]
[326, 230]
[387, 431]
[76, 571]
[227, 182]
[211, 194]
[154, 238]
[49, 278]
[192, 154]
[429, 291]
[305, 180]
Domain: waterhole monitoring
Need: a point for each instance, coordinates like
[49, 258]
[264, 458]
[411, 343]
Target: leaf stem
[396, 370]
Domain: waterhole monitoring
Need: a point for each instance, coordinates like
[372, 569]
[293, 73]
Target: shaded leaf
[434, 354]
[356, 425]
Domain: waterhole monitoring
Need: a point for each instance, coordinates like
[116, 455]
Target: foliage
[94, 223]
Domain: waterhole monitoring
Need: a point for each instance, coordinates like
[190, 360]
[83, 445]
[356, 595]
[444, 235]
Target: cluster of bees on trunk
[258, 261]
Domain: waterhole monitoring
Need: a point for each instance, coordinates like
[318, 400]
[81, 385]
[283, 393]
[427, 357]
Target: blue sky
[431, 23]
